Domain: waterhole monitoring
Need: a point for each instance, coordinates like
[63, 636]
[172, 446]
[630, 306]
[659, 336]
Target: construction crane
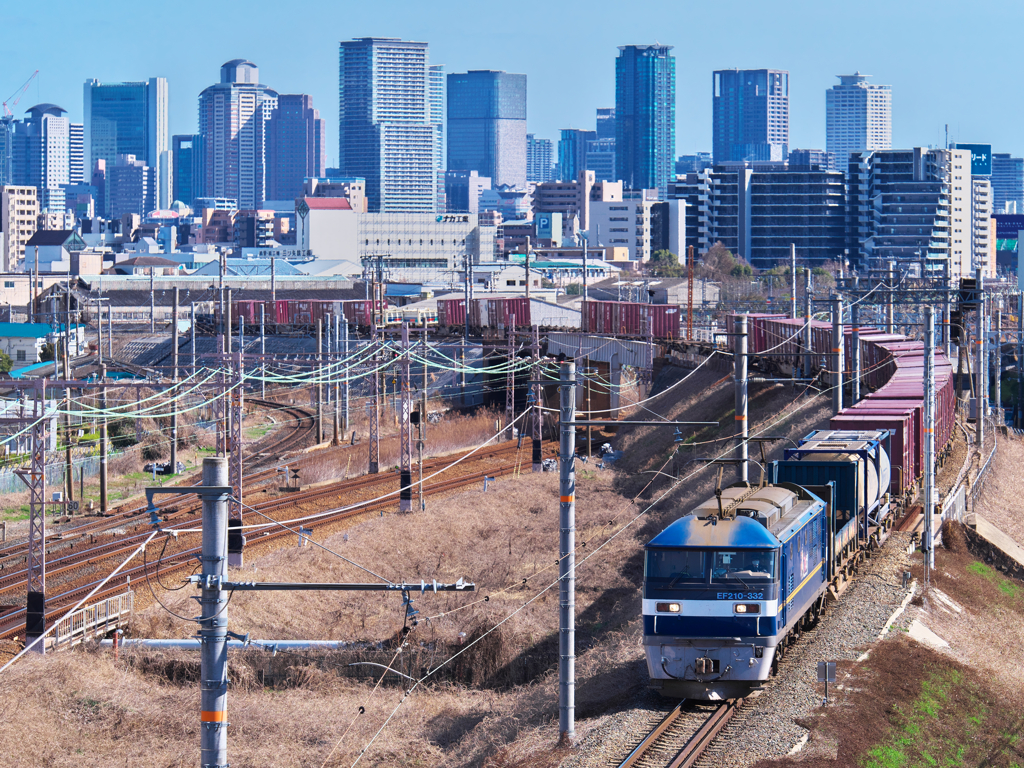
[16, 96]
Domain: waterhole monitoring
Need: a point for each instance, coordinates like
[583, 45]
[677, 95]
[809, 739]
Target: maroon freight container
[895, 408]
[500, 313]
[451, 312]
[664, 320]
[900, 443]
[360, 312]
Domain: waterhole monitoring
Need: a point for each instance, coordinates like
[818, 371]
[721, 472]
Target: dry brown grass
[497, 707]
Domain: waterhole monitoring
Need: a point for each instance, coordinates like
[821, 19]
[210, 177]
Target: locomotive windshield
[668, 567]
[742, 565]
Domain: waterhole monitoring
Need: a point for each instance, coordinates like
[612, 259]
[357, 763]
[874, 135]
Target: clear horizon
[943, 63]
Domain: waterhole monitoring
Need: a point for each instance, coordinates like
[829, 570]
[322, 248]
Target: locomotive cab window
[669, 567]
[742, 565]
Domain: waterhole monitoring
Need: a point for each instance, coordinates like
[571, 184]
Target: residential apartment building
[916, 207]
[233, 116]
[758, 213]
[750, 115]
[645, 116]
[76, 153]
[1007, 184]
[813, 158]
[296, 146]
[858, 117]
[640, 223]
[386, 122]
[128, 119]
[983, 241]
[487, 125]
[19, 215]
[573, 200]
[540, 160]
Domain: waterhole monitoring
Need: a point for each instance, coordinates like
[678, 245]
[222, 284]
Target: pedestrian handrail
[92, 620]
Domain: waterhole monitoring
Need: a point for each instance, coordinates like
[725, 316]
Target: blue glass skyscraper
[128, 119]
[645, 116]
[750, 115]
[487, 125]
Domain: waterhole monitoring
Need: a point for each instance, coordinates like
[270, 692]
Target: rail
[694, 747]
[97, 619]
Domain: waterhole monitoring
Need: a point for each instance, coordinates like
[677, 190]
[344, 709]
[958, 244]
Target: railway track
[681, 737]
[301, 424]
[184, 555]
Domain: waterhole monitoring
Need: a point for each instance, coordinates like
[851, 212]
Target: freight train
[613, 318]
[730, 584]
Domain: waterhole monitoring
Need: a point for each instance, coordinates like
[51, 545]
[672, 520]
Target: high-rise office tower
[296, 146]
[76, 153]
[487, 125]
[606, 123]
[130, 187]
[750, 113]
[233, 117]
[600, 157]
[540, 159]
[858, 117]
[185, 164]
[387, 133]
[1007, 184]
[40, 149]
[572, 152]
[645, 116]
[128, 119]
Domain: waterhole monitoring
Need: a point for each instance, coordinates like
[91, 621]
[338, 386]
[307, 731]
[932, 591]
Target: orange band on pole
[741, 418]
[214, 717]
[566, 499]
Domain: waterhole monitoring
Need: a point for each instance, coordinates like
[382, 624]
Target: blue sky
[947, 63]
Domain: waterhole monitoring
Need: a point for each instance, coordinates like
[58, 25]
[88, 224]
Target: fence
[94, 620]
[90, 465]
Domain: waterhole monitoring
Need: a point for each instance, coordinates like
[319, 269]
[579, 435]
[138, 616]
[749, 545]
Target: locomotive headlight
[667, 607]
[746, 608]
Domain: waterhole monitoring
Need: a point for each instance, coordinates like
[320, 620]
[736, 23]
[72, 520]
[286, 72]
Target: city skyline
[930, 88]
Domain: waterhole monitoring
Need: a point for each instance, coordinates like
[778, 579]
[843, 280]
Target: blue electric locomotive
[726, 585]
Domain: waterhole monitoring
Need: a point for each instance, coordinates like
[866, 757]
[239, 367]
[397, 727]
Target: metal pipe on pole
[890, 315]
[104, 448]
[979, 366]
[174, 368]
[213, 624]
[837, 354]
[192, 330]
[740, 380]
[336, 380]
[345, 380]
[319, 382]
[928, 543]
[792, 264]
[567, 556]
[1020, 359]
[263, 352]
[855, 353]
[808, 349]
[997, 368]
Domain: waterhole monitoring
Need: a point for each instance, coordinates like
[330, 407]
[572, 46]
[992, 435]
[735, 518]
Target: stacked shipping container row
[891, 364]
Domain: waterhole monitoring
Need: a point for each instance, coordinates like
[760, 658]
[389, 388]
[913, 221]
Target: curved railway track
[12, 623]
[681, 737]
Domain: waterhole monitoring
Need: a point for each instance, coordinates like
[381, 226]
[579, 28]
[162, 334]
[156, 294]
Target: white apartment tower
[19, 214]
[233, 118]
[858, 117]
[388, 122]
